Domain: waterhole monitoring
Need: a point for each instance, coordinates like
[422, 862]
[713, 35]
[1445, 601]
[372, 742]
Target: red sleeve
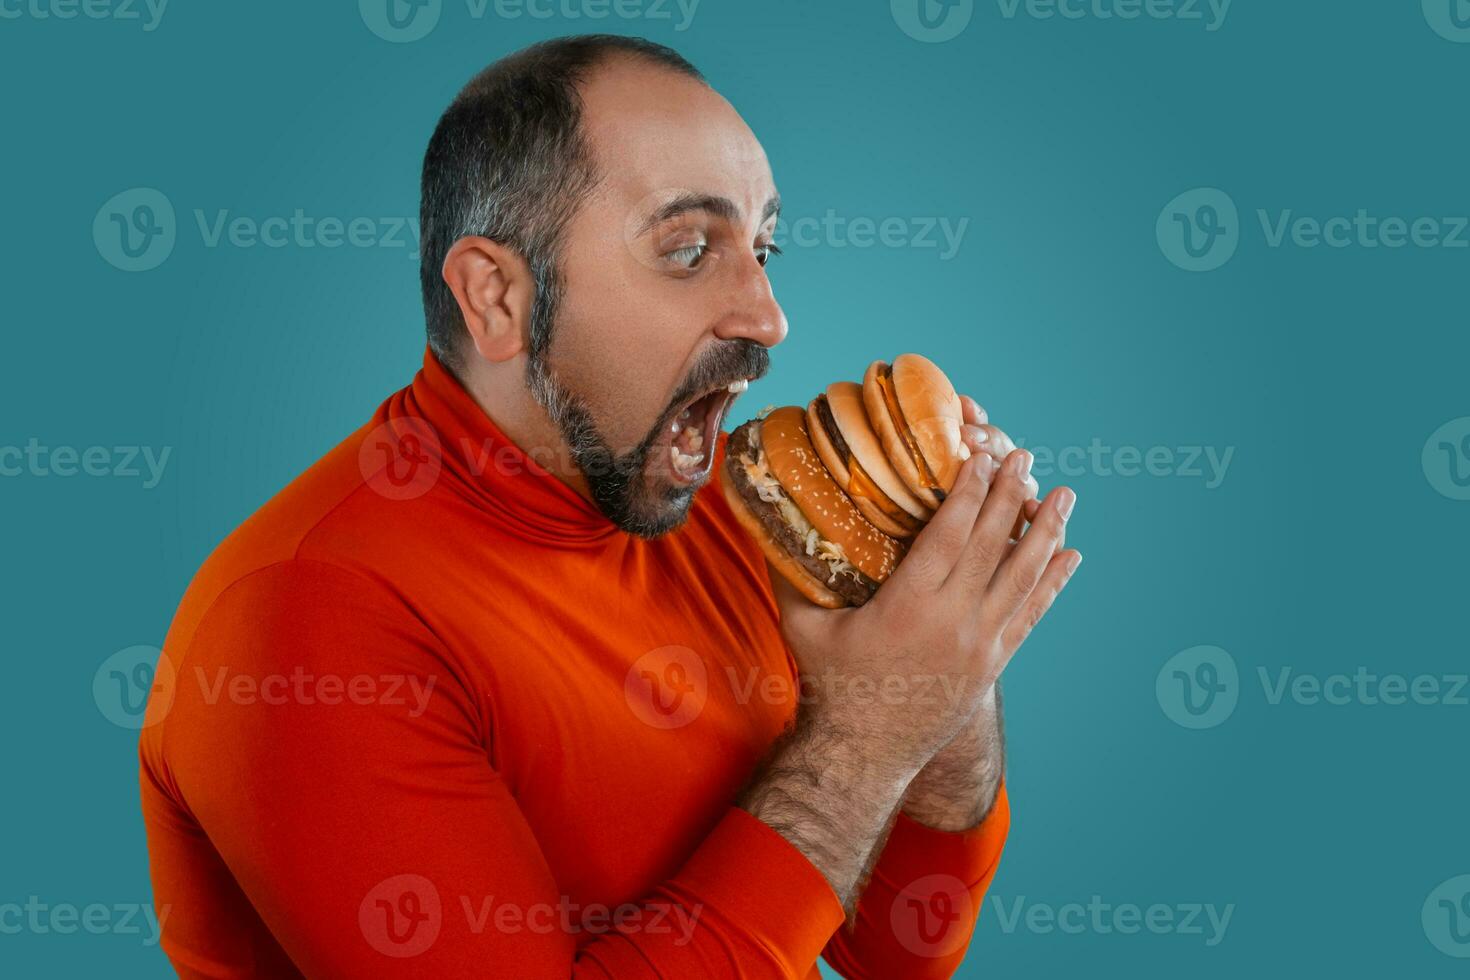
[365, 834]
[918, 912]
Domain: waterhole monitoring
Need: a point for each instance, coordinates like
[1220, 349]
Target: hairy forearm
[957, 788]
[831, 797]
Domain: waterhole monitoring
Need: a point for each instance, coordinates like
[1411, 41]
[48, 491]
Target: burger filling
[859, 483]
[784, 521]
[890, 398]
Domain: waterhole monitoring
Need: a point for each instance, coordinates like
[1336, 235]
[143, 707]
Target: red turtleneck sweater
[429, 713]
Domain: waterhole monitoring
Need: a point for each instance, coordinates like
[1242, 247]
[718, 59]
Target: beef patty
[855, 590]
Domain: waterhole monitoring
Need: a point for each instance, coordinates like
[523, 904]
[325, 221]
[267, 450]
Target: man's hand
[957, 787]
[948, 620]
[981, 437]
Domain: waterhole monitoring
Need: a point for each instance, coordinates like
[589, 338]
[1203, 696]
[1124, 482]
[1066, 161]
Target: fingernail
[1073, 562]
[1022, 465]
[982, 435]
[1066, 499]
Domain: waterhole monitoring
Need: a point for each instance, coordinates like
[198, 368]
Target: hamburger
[832, 493]
[809, 530]
[849, 448]
[917, 415]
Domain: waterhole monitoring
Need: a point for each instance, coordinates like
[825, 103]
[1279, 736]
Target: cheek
[630, 334]
[625, 375]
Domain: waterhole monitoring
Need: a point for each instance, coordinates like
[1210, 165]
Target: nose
[753, 313]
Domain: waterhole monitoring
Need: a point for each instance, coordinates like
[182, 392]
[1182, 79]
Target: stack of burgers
[835, 493]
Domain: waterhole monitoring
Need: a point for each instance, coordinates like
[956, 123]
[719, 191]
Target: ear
[495, 290]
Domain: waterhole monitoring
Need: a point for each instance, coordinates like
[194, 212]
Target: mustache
[720, 366]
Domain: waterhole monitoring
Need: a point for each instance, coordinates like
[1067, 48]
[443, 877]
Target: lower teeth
[684, 462]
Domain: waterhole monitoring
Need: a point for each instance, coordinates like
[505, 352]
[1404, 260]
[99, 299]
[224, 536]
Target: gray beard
[616, 482]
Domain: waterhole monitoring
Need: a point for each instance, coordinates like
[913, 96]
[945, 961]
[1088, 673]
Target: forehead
[653, 131]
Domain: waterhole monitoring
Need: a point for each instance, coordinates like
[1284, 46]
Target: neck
[500, 391]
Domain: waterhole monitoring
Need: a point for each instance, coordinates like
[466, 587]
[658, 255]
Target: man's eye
[690, 256]
[764, 252]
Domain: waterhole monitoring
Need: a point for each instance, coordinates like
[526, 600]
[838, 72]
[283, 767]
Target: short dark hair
[508, 162]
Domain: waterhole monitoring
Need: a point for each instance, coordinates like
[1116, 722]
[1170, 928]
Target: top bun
[933, 410]
[927, 436]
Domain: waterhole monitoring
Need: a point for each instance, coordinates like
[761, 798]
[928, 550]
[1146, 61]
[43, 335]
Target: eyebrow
[720, 207]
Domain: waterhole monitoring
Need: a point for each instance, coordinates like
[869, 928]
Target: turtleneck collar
[490, 469]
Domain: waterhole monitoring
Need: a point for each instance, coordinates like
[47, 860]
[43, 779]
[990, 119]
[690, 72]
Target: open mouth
[692, 434]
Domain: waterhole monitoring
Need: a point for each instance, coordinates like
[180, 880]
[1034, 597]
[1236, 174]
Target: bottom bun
[789, 568]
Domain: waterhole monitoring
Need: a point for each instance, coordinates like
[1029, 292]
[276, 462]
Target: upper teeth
[736, 387]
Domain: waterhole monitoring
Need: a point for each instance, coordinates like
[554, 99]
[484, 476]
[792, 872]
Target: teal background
[1325, 548]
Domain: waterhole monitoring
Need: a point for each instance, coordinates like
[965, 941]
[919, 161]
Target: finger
[985, 547]
[1059, 571]
[971, 412]
[936, 548]
[1018, 575]
[1028, 509]
[975, 437]
[997, 443]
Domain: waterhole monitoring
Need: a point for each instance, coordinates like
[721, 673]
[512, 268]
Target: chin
[662, 506]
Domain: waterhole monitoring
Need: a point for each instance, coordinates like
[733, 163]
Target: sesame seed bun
[779, 558]
[795, 463]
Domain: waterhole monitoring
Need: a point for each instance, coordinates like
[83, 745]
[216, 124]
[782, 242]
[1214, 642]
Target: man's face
[666, 301]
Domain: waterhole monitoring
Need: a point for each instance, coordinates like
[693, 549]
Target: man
[499, 688]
